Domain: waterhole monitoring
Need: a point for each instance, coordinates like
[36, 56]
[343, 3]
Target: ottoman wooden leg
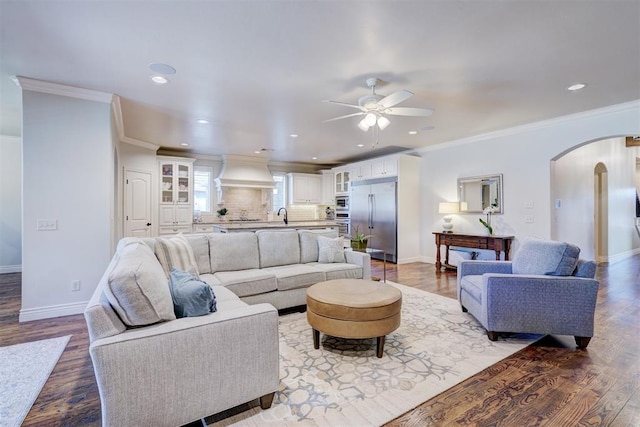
[316, 339]
[380, 346]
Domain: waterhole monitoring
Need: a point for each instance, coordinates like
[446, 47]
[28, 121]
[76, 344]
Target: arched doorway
[601, 216]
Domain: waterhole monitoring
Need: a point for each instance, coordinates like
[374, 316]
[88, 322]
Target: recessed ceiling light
[160, 68]
[257, 152]
[360, 145]
[159, 80]
[202, 121]
[577, 86]
[413, 132]
[184, 144]
[314, 158]
[294, 135]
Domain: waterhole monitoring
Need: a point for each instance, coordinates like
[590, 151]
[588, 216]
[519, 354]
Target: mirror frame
[476, 179]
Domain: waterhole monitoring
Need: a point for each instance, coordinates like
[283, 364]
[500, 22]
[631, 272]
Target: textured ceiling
[258, 70]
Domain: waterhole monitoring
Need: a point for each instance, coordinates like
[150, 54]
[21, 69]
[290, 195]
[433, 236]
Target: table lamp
[448, 208]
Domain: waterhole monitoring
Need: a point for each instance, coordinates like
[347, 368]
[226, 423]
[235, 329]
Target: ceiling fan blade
[344, 104]
[395, 98]
[409, 111]
[343, 117]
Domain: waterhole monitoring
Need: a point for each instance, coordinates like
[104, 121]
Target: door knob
[148, 224]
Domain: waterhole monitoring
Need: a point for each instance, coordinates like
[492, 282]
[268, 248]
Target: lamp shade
[383, 122]
[363, 125]
[370, 119]
[449, 207]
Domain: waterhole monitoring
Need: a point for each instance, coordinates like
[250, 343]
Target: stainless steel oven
[344, 223]
[342, 203]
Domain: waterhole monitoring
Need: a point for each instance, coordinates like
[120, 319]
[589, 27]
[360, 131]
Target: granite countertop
[269, 224]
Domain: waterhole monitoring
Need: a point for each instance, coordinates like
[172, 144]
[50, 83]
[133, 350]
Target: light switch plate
[47, 224]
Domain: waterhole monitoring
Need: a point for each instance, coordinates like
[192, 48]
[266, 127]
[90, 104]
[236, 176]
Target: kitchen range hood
[245, 172]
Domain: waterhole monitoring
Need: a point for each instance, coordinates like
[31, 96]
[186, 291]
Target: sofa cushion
[330, 250]
[537, 256]
[309, 243]
[200, 246]
[137, 287]
[278, 247]
[247, 282]
[585, 269]
[191, 296]
[296, 276]
[175, 252]
[233, 251]
[338, 270]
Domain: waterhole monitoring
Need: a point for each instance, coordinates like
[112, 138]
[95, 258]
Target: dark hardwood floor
[550, 383]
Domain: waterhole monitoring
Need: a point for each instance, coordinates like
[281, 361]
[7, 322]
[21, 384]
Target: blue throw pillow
[191, 296]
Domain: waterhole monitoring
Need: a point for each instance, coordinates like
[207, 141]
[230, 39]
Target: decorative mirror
[480, 192]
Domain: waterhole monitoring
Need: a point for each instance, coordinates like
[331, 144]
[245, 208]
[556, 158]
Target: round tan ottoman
[353, 308]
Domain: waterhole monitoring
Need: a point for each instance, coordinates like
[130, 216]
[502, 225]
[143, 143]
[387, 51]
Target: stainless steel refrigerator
[373, 211]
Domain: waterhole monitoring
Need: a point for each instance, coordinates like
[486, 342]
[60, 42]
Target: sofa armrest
[361, 259]
[175, 372]
[477, 268]
[539, 303]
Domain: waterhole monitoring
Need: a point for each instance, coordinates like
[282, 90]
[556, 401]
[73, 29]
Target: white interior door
[137, 207]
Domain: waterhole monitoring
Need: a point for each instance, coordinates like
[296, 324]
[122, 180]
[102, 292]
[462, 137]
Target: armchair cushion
[536, 256]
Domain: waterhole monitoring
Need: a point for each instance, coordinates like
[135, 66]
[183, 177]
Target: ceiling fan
[375, 107]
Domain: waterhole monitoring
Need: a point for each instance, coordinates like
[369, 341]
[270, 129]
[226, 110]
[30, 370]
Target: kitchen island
[234, 226]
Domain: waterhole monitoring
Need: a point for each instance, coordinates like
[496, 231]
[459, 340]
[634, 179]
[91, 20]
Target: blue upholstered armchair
[546, 289]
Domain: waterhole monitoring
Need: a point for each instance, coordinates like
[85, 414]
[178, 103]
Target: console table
[476, 241]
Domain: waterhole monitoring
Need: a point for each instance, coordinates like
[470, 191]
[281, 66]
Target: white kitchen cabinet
[360, 171]
[328, 188]
[304, 188]
[384, 167]
[342, 179]
[176, 195]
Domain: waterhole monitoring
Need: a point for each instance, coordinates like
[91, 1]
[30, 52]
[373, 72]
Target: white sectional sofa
[154, 369]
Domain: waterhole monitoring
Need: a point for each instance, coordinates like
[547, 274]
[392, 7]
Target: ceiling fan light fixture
[383, 122]
[363, 125]
[370, 119]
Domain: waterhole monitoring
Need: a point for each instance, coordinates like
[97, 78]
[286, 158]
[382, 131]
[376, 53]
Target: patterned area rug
[345, 384]
[24, 368]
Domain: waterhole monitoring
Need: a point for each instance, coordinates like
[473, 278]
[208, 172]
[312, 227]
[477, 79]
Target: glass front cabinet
[176, 195]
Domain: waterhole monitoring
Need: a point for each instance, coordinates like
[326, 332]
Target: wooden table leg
[316, 339]
[380, 346]
[438, 262]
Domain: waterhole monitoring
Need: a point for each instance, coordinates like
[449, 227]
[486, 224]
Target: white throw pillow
[176, 252]
[330, 250]
[137, 288]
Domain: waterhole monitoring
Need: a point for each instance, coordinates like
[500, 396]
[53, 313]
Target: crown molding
[62, 90]
[117, 116]
[612, 109]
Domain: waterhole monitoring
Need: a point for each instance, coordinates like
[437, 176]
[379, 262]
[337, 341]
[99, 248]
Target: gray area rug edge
[24, 371]
[343, 383]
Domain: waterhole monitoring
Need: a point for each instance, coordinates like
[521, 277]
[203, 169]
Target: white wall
[10, 204]
[523, 155]
[573, 178]
[68, 159]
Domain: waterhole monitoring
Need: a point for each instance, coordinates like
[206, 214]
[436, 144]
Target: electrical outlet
[528, 219]
[75, 285]
[47, 224]
[528, 204]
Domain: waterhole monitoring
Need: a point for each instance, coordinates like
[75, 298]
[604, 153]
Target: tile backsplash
[237, 199]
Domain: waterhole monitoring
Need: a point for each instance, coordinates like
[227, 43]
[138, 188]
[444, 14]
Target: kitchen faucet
[286, 221]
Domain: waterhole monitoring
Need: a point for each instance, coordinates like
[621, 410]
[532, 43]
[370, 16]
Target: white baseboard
[622, 256]
[38, 313]
[10, 269]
